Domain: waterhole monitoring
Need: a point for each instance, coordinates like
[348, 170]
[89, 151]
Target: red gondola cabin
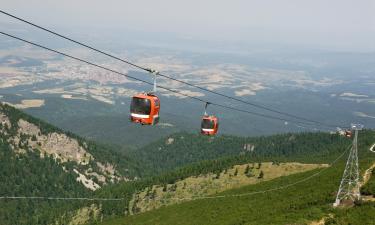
[210, 125]
[144, 109]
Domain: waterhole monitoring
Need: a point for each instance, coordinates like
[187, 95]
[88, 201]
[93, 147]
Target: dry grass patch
[28, 103]
[208, 184]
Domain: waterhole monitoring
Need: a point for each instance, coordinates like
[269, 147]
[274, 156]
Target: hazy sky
[336, 24]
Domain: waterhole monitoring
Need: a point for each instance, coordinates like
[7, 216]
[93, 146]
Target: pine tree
[217, 175]
[33, 138]
[153, 194]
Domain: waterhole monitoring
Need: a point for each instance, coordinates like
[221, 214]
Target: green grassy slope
[299, 204]
[304, 147]
[30, 175]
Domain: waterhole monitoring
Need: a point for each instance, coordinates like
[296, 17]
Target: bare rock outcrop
[28, 137]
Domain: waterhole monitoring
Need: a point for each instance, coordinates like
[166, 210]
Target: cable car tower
[349, 186]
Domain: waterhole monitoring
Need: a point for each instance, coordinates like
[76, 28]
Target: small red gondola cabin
[210, 125]
[144, 109]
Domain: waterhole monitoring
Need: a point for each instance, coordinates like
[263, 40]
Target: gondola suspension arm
[155, 73]
[205, 108]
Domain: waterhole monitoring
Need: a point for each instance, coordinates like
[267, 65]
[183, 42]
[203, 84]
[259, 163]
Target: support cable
[169, 77]
[151, 83]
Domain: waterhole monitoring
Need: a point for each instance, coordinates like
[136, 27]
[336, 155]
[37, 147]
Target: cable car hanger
[205, 108]
[155, 73]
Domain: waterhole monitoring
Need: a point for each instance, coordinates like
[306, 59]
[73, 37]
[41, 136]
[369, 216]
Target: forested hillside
[24, 133]
[185, 148]
[29, 175]
[300, 204]
[309, 199]
[304, 147]
[37, 159]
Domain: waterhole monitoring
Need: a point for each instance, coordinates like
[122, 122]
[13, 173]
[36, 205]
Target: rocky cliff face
[73, 155]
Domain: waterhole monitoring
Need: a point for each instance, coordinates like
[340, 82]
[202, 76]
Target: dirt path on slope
[368, 172]
[367, 176]
[372, 148]
[322, 221]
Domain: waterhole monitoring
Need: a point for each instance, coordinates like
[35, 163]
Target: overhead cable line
[171, 78]
[143, 81]
[189, 198]
[61, 198]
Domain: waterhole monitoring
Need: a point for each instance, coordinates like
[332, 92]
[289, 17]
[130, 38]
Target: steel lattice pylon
[349, 186]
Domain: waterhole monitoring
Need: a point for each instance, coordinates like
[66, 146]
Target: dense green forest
[26, 173]
[124, 164]
[29, 175]
[166, 161]
[304, 147]
[185, 148]
[298, 204]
